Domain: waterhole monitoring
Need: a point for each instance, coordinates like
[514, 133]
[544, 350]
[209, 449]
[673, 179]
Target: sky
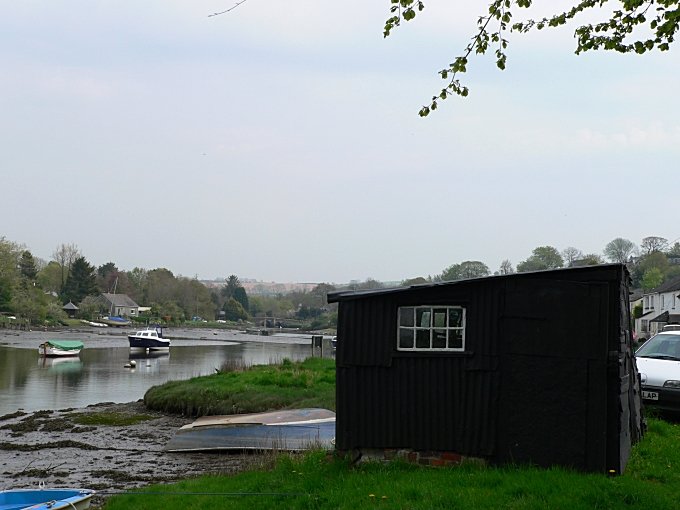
[281, 141]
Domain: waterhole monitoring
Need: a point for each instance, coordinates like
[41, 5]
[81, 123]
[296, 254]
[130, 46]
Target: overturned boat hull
[291, 430]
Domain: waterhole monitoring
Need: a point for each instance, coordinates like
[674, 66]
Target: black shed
[524, 368]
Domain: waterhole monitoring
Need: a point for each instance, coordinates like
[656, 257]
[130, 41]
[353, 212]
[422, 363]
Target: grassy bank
[313, 480]
[310, 383]
[651, 481]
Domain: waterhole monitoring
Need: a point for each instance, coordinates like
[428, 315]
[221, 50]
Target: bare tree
[570, 254]
[619, 250]
[65, 255]
[506, 267]
[653, 243]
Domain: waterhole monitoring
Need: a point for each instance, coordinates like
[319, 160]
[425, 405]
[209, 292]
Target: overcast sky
[281, 141]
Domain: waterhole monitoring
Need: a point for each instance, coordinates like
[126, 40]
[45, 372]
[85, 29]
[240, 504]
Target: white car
[658, 361]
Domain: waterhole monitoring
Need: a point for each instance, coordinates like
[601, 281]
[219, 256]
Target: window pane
[423, 338]
[423, 317]
[455, 317]
[406, 317]
[439, 339]
[439, 318]
[455, 338]
[405, 338]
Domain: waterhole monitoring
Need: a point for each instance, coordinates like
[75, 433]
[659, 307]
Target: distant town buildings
[257, 288]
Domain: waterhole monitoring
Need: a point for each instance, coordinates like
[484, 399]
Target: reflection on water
[61, 365]
[30, 382]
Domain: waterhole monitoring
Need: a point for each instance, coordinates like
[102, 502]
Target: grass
[259, 388]
[112, 419]
[651, 481]
[317, 480]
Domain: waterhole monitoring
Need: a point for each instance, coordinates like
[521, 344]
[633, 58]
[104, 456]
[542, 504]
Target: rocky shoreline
[54, 447]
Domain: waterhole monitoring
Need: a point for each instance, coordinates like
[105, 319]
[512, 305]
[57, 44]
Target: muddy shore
[50, 447]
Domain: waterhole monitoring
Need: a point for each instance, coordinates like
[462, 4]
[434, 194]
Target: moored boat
[150, 338]
[43, 499]
[115, 321]
[95, 324]
[60, 348]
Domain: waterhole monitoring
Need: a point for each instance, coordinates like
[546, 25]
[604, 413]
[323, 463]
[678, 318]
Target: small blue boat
[44, 499]
[115, 321]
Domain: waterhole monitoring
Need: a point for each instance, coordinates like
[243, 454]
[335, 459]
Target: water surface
[31, 382]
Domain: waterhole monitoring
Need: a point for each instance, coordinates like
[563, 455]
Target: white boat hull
[150, 339]
[50, 351]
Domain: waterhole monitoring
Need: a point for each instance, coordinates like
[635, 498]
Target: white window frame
[431, 328]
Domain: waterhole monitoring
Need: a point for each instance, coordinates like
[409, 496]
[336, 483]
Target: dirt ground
[48, 446]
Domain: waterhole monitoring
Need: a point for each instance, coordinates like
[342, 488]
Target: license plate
[650, 395]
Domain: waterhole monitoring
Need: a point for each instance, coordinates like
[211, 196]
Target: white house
[660, 306]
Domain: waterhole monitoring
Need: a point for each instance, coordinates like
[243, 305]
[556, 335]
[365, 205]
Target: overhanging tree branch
[227, 10]
[618, 31]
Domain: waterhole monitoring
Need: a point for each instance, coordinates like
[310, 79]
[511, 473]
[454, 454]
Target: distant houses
[660, 306]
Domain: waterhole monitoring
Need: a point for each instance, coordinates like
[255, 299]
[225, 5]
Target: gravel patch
[48, 447]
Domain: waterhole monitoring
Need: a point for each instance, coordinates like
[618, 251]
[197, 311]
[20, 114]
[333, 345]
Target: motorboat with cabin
[151, 339]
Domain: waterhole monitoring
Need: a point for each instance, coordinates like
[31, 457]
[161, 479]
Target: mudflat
[60, 448]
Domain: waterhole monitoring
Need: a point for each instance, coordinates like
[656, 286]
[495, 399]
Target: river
[31, 382]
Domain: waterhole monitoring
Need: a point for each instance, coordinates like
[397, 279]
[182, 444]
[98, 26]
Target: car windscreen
[660, 346]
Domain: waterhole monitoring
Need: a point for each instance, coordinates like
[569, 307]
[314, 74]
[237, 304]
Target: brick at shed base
[424, 458]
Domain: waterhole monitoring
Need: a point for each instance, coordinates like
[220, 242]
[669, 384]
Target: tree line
[652, 263]
[37, 289]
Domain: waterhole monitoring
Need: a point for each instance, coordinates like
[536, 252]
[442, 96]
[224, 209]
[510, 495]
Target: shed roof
[69, 306]
[343, 295]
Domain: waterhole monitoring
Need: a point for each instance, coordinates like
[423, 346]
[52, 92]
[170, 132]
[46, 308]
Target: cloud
[633, 136]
